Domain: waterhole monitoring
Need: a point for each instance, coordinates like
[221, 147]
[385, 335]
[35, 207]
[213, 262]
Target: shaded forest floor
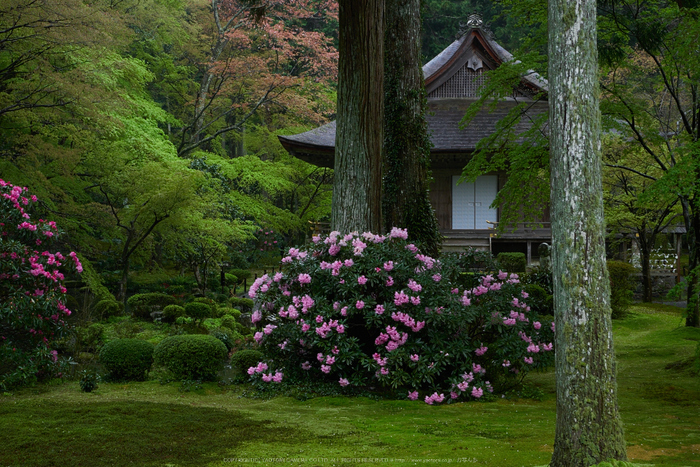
[152, 424]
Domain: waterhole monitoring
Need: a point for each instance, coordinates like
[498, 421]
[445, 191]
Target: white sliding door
[471, 203]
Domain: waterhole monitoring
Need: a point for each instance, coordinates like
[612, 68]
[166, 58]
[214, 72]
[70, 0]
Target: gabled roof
[452, 80]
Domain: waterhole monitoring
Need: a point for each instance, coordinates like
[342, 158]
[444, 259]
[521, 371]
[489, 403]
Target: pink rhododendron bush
[32, 295]
[371, 310]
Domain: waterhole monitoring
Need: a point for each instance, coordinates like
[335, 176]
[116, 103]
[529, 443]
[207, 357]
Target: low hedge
[243, 304]
[195, 357]
[199, 311]
[127, 359]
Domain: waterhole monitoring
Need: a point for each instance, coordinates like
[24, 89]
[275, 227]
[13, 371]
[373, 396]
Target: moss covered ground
[152, 424]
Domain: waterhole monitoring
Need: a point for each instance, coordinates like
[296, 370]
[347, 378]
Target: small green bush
[172, 313]
[229, 321]
[512, 262]
[244, 359]
[230, 279]
[236, 314]
[621, 287]
[142, 305]
[243, 304]
[191, 356]
[199, 311]
[539, 300]
[91, 337]
[107, 308]
[127, 359]
[223, 336]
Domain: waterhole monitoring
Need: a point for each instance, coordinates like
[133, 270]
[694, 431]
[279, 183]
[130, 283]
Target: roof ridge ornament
[474, 21]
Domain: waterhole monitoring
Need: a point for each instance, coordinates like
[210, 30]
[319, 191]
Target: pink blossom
[506, 363]
[547, 347]
[304, 278]
[334, 250]
[379, 309]
[257, 316]
[466, 301]
[348, 263]
[553, 327]
[388, 266]
[415, 286]
[481, 351]
[536, 325]
[269, 328]
[390, 281]
[326, 369]
[509, 321]
[502, 275]
[267, 378]
[437, 277]
[528, 360]
[362, 280]
[258, 337]
[392, 345]
[305, 327]
[415, 300]
[330, 359]
[400, 298]
[413, 395]
[415, 357]
[412, 248]
[477, 392]
[278, 377]
[343, 382]
[360, 304]
[454, 395]
[398, 233]
[384, 371]
[532, 348]
[320, 357]
[340, 329]
[278, 277]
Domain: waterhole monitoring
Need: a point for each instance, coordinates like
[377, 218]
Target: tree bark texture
[406, 156]
[357, 179]
[588, 426]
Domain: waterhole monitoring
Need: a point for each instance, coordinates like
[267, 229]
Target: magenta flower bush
[32, 296]
[371, 310]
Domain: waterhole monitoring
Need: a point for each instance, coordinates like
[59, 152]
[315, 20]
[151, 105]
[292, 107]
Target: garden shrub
[539, 300]
[127, 359]
[621, 287]
[229, 322]
[172, 312]
[195, 357]
[244, 359]
[223, 336]
[199, 311]
[243, 304]
[230, 279]
[241, 274]
[512, 262]
[33, 298]
[231, 312]
[142, 305]
[371, 310]
[91, 337]
[107, 308]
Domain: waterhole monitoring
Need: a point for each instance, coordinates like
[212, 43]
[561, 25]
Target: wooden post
[529, 252]
[679, 243]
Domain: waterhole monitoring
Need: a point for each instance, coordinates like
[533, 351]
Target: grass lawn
[152, 424]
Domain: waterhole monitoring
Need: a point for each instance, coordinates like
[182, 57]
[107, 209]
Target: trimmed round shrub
[512, 262]
[127, 359]
[621, 287]
[229, 322]
[107, 308]
[142, 305]
[243, 304]
[172, 312]
[199, 310]
[236, 314]
[197, 357]
[244, 359]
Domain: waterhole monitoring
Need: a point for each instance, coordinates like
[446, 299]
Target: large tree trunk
[588, 427]
[406, 202]
[693, 228]
[358, 179]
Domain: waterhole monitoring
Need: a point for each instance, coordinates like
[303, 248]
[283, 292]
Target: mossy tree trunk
[406, 157]
[588, 426]
[358, 180]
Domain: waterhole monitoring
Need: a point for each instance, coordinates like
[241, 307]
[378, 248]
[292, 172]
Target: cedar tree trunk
[406, 200]
[358, 143]
[588, 427]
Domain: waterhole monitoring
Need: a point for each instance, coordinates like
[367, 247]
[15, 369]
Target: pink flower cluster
[397, 338]
[435, 397]
[408, 321]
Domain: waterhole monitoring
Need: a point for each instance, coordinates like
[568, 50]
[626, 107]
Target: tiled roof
[444, 114]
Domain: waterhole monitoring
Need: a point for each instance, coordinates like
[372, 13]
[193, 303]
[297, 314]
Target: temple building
[452, 81]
